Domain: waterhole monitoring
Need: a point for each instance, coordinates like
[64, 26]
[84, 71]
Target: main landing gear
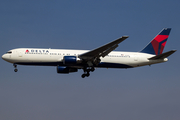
[86, 72]
[15, 68]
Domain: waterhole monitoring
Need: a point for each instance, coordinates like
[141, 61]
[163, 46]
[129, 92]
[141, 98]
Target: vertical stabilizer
[156, 46]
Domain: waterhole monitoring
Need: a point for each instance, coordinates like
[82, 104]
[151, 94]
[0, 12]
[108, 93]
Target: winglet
[162, 56]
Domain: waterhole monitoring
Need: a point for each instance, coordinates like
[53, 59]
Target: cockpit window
[9, 52]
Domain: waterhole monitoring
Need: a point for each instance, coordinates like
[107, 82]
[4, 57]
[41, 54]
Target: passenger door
[20, 54]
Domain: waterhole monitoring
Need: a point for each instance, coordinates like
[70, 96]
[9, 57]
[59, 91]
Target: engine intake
[61, 69]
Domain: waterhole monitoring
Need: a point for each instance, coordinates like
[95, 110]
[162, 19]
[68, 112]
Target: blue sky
[40, 93]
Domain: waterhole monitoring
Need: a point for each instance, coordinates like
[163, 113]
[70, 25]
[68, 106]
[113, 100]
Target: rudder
[156, 46]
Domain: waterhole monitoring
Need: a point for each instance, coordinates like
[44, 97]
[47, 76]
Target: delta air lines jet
[68, 61]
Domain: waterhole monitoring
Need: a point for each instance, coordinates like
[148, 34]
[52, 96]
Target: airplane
[68, 61]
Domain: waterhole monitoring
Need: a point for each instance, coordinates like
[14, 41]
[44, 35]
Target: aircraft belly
[116, 62]
[113, 65]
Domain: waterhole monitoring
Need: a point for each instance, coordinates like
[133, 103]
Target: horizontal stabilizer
[163, 55]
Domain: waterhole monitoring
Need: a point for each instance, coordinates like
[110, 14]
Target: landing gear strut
[15, 68]
[86, 72]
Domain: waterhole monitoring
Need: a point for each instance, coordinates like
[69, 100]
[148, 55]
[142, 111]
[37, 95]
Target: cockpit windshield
[9, 52]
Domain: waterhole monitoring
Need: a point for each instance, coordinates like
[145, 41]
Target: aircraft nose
[3, 57]
[6, 57]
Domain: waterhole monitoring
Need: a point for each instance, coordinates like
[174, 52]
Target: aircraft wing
[102, 51]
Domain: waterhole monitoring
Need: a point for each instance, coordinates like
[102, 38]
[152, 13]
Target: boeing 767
[68, 61]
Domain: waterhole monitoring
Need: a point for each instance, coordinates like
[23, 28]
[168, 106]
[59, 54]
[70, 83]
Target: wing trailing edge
[103, 50]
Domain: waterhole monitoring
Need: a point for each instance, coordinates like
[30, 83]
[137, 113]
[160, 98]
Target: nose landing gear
[15, 68]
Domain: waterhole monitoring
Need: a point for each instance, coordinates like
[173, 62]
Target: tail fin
[156, 46]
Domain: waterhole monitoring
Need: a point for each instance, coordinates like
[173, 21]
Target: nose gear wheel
[15, 68]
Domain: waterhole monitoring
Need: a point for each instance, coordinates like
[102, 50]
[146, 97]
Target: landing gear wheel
[15, 66]
[15, 70]
[87, 71]
[83, 75]
[87, 74]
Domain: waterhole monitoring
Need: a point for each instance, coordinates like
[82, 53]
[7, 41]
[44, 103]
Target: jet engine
[61, 69]
[71, 60]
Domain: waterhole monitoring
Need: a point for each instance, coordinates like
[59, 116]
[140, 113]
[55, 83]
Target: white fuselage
[54, 57]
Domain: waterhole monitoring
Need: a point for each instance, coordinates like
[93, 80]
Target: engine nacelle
[71, 60]
[61, 69]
